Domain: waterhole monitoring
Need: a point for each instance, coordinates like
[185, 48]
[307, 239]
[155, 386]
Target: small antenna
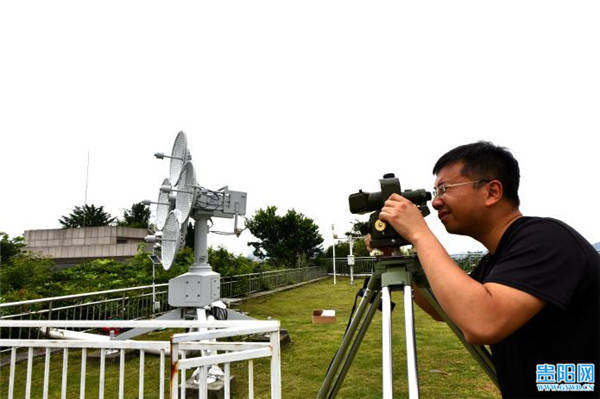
[87, 176]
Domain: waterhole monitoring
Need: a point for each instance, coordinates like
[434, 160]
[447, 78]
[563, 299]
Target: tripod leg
[411, 346]
[479, 353]
[355, 346]
[386, 342]
[346, 340]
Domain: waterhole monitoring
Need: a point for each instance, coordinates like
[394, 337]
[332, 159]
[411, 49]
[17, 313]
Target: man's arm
[486, 313]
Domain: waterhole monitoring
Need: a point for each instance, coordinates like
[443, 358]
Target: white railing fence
[145, 302]
[119, 304]
[231, 352]
[180, 349]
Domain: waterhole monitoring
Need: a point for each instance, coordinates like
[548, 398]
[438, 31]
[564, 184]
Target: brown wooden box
[319, 318]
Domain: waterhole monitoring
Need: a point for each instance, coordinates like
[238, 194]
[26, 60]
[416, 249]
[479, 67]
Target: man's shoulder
[546, 258]
[547, 231]
[525, 222]
[544, 230]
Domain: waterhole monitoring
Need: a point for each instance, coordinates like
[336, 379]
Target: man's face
[460, 208]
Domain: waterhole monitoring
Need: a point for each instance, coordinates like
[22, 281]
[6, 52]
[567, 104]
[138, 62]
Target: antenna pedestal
[201, 286]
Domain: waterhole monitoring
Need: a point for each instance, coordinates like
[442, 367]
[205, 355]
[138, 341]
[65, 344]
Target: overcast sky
[297, 103]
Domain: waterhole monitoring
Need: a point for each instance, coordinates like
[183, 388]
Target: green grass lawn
[446, 370]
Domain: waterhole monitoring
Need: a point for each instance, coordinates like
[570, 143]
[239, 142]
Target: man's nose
[437, 203]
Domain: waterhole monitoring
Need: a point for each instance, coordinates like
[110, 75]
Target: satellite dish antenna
[171, 239]
[163, 205]
[188, 158]
[179, 155]
[186, 191]
[200, 286]
[191, 200]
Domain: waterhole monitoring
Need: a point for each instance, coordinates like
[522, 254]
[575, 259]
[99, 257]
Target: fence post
[275, 366]
[174, 372]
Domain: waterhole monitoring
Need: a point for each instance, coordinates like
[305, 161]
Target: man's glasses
[441, 189]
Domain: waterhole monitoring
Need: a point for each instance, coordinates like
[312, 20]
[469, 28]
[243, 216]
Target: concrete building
[72, 246]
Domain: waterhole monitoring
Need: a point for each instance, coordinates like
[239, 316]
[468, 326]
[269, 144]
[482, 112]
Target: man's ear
[494, 192]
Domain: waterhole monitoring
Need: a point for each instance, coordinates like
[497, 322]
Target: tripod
[391, 274]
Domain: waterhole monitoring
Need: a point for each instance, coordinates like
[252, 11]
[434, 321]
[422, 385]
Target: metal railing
[234, 352]
[364, 265]
[145, 302]
[120, 304]
[245, 284]
[179, 346]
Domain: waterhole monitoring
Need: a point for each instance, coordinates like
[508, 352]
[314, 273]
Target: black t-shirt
[548, 259]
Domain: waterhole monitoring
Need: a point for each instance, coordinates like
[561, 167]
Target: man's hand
[405, 218]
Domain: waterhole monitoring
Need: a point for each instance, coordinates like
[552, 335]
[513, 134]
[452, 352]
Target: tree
[138, 216]
[10, 247]
[342, 249]
[228, 264]
[287, 239]
[86, 215]
[359, 228]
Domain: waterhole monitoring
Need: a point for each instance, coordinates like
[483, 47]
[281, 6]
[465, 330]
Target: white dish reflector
[186, 192]
[171, 239]
[163, 205]
[179, 155]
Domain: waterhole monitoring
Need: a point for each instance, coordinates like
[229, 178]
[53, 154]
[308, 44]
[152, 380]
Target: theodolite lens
[362, 202]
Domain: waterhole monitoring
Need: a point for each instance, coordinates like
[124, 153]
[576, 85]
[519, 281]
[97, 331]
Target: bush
[27, 276]
[228, 264]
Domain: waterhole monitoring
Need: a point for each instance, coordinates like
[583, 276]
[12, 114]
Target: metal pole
[202, 382]
[275, 366]
[386, 342]
[153, 289]
[351, 242]
[411, 348]
[334, 282]
[174, 371]
[201, 244]
[87, 178]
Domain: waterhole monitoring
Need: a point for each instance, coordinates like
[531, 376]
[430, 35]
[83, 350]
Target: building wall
[71, 246]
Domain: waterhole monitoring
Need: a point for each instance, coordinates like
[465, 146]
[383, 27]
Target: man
[534, 296]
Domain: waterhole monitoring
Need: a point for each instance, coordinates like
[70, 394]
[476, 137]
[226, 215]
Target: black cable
[361, 293]
[217, 312]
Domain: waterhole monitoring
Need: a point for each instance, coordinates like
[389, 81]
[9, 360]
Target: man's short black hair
[484, 160]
